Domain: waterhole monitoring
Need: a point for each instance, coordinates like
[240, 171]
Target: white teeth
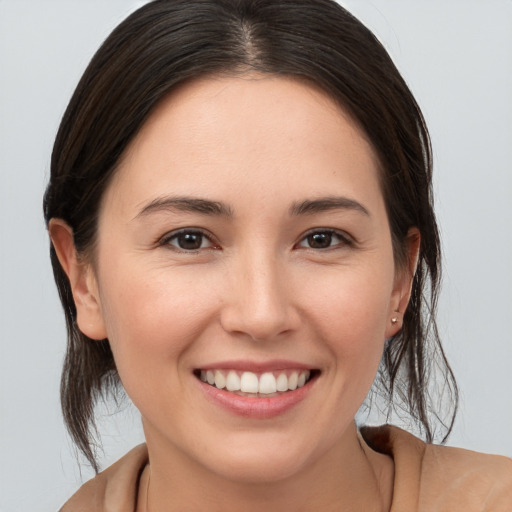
[292, 381]
[249, 382]
[267, 384]
[220, 380]
[233, 381]
[282, 382]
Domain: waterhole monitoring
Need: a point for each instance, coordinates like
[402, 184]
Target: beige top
[428, 478]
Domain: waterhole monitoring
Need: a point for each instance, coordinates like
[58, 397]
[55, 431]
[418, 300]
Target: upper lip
[257, 366]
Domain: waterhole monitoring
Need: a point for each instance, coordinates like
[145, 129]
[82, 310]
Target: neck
[350, 476]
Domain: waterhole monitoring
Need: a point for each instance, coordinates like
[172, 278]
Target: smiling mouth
[264, 385]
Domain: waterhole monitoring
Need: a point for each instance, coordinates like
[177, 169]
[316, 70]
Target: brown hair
[167, 42]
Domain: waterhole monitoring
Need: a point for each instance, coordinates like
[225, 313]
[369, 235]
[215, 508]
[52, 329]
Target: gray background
[457, 58]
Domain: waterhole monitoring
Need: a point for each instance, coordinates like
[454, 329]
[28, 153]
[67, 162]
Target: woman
[241, 216]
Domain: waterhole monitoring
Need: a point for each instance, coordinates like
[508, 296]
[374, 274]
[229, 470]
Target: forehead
[251, 133]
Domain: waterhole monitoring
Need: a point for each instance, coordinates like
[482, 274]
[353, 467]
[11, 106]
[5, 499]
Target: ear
[82, 280]
[403, 284]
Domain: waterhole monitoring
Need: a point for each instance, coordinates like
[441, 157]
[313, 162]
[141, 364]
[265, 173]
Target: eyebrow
[322, 204]
[217, 208]
[186, 204]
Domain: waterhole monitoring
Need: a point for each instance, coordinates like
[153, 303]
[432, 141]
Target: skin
[255, 290]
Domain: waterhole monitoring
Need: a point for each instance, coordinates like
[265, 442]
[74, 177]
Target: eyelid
[164, 241]
[348, 241]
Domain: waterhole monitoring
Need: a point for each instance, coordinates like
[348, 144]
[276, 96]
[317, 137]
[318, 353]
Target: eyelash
[167, 239]
[345, 240]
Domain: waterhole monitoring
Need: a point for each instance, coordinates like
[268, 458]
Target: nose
[259, 302]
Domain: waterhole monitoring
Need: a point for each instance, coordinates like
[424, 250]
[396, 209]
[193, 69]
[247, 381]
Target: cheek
[151, 321]
[358, 298]
[351, 314]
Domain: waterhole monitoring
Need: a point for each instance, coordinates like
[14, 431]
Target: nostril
[259, 326]
[262, 309]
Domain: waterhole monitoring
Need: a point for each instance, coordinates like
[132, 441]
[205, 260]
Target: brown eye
[319, 240]
[323, 240]
[189, 241]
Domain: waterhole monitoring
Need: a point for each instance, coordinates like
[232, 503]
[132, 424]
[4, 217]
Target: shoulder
[432, 478]
[114, 489]
[468, 480]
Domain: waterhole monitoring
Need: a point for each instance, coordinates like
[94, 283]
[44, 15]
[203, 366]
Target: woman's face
[245, 234]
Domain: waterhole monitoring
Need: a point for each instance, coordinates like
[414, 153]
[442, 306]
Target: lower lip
[253, 407]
